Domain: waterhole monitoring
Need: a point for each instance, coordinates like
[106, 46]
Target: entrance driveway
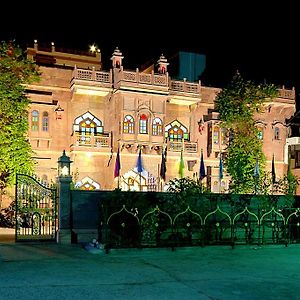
[51, 271]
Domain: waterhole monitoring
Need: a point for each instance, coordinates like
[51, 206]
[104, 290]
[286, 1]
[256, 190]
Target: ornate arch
[87, 124]
[176, 131]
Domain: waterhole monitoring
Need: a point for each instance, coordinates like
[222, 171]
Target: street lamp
[64, 165]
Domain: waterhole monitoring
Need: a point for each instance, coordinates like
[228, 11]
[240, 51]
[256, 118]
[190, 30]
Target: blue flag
[202, 167]
[221, 168]
[117, 165]
[139, 164]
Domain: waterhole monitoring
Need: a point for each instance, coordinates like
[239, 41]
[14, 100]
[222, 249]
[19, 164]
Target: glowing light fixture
[93, 48]
[64, 165]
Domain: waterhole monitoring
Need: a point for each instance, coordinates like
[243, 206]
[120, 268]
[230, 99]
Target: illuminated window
[87, 184]
[224, 137]
[34, 120]
[128, 124]
[175, 131]
[157, 126]
[143, 123]
[216, 135]
[45, 121]
[276, 133]
[87, 125]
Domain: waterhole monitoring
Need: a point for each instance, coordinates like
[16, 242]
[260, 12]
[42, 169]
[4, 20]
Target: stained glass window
[34, 120]
[128, 124]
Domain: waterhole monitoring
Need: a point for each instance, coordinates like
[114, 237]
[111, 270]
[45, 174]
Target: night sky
[259, 41]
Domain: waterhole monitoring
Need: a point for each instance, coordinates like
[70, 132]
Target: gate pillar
[64, 201]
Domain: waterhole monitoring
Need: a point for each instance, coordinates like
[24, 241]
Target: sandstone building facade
[91, 113]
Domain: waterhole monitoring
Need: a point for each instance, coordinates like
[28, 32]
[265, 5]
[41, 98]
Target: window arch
[88, 124]
[34, 120]
[128, 124]
[216, 135]
[224, 136]
[45, 121]
[88, 184]
[143, 124]
[157, 126]
[175, 131]
[276, 133]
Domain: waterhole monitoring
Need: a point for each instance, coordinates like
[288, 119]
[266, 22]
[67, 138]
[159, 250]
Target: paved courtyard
[51, 271]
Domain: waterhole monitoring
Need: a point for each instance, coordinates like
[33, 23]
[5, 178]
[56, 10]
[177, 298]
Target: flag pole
[140, 182]
[220, 180]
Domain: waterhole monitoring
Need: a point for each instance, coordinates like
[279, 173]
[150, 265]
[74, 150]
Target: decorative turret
[117, 58]
[162, 65]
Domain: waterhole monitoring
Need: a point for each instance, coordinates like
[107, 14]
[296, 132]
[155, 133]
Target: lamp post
[64, 165]
[64, 200]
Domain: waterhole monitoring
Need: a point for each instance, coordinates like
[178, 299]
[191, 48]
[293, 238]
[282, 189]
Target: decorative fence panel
[209, 220]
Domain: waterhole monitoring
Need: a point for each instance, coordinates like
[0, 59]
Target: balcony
[186, 147]
[99, 142]
[137, 80]
[91, 81]
[184, 93]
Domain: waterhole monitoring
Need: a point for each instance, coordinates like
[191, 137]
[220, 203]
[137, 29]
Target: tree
[15, 151]
[237, 104]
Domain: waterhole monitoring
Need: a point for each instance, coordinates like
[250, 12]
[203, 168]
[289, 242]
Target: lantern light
[64, 165]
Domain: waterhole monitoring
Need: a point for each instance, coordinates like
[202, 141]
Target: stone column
[64, 210]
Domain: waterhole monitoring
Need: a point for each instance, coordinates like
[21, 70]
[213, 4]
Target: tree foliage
[15, 151]
[237, 104]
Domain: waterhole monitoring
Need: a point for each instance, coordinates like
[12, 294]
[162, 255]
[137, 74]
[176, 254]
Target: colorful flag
[163, 167]
[117, 165]
[221, 168]
[139, 164]
[202, 173]
[181, 166]
[273, 170]
[256, 169]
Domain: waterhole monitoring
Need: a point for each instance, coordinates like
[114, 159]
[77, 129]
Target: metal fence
[134, 221]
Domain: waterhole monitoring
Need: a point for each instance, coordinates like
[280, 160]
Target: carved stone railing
[143, 78]
[187, 147]
[287, 94]
[92, 75]
[185, 87]
[92, 140]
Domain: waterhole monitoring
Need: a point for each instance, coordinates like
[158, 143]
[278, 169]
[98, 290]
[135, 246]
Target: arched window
[215, 187]
[276, 133]
[85, 126]
[128, 124]
[88, 184]
[224, 137]
[157, 126]
[34, 120]
[260, 133]
[175, 131]
[45, 121]
[216, 135]
[88, 124]
[143, 124]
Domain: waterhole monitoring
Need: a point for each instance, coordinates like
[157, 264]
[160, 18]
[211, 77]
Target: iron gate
[36, 209]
